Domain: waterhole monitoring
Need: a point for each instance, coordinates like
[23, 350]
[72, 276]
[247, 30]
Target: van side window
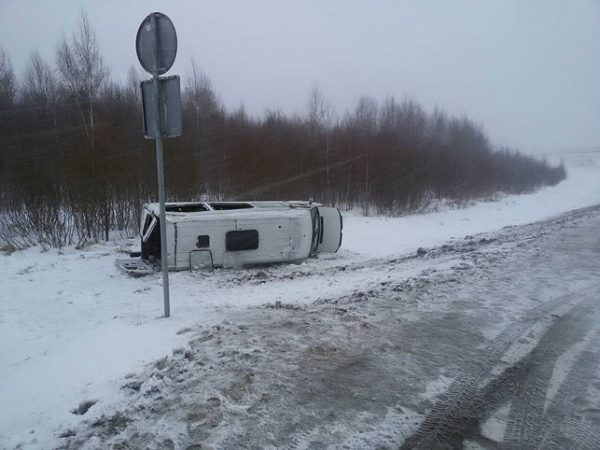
[241, 240]
[203, 241]
[225, 206]
[186, 208]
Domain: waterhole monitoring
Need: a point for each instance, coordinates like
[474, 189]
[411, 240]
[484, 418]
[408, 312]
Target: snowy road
[493, 341]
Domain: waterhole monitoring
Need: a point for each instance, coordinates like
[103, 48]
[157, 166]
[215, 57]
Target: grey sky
[528, 71]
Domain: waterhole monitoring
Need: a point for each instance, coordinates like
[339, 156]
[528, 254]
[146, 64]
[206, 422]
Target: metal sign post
[156, 47]
[161, 200]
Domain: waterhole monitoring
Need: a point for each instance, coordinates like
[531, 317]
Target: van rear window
[241, 240]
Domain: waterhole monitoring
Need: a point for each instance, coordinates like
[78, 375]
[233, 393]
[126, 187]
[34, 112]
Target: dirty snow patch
[399, 423]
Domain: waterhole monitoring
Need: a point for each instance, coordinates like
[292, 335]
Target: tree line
[74, 165]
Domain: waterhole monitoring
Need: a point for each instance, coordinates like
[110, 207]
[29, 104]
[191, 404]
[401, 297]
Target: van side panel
[187, 238]
[301, 236]
[280, 239]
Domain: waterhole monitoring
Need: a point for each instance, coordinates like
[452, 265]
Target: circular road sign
[156, 43]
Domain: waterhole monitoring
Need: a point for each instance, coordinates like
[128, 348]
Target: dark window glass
[189, 207]
[227, 206]
[203, 241]
[241, 240]
[314, 213]
[321, 232]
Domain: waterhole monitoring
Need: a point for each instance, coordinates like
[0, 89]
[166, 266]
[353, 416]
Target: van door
[330, 233]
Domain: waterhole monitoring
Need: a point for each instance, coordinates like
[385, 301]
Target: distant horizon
[527, 73]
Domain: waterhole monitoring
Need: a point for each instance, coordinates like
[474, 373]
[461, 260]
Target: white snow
[72, 326]
[436, 387]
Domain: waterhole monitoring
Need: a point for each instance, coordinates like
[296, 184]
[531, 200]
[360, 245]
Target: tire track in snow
[466, 405]
[533, 425]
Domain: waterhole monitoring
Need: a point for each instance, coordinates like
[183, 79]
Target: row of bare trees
[75, 167]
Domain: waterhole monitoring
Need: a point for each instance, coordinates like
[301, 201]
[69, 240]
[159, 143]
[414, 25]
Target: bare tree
[132, 86]
[84, 74]
[365, 114]
[39, 84]
[321, 117]
[201, 106]
[320, 110]
[8, 83]
[40, 87]
[365, 120]
[7, 99]
[199, 91]
[83, 71]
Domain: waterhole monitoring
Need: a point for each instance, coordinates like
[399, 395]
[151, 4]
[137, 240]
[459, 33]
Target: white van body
[235, 234]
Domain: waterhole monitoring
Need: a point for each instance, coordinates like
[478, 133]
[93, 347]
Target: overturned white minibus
[235, 234]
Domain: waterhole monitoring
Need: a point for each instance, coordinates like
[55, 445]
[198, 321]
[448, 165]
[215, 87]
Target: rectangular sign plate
[169, 107]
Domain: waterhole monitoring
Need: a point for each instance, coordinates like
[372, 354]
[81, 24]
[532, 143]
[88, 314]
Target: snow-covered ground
[72, 326]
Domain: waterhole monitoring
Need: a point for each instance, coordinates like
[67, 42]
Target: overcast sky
[528, 71]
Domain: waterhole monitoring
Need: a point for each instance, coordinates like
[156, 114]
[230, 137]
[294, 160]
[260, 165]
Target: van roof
[179, 211]
[229, 205]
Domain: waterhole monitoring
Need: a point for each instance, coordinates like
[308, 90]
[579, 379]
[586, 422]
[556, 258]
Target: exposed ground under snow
[72, 327]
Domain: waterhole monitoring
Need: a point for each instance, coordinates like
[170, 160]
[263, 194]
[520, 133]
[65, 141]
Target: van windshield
[316, 225]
